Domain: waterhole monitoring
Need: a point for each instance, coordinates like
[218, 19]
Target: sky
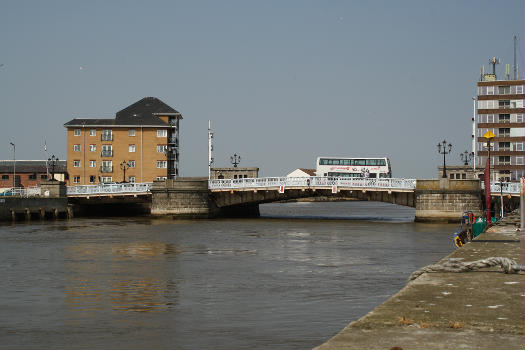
[281, 81]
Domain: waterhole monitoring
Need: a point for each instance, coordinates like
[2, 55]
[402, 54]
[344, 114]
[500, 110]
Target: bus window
[360, 162]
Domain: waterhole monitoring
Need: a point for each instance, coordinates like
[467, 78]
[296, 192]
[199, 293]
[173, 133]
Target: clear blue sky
[282, 81]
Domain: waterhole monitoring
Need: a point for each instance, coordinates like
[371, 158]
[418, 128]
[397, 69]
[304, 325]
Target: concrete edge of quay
[481, 309]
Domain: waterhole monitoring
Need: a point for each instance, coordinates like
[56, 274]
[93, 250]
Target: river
[288, 280]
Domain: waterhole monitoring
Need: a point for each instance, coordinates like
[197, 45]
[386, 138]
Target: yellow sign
[488, 135]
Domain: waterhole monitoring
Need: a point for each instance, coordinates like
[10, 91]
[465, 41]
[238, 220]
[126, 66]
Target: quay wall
[19, 209]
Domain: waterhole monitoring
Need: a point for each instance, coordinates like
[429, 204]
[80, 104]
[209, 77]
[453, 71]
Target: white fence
[314, 181]
[121, 188]
[497, 188]
[21, 192]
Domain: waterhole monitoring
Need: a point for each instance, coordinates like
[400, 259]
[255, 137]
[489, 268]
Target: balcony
[106, 153]
[106, 169]
[106, 137]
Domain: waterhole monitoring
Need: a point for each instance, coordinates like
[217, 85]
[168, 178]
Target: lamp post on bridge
[466, 157]
[52, 161]
[444, 152]
[235, 159]
[124, 165]
[14, 164]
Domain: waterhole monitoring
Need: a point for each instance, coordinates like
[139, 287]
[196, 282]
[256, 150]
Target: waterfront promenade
[483, 309]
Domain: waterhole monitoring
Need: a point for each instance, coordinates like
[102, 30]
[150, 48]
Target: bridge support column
[445, 200]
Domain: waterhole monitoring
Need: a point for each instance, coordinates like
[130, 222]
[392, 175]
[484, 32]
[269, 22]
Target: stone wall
[446, 200]
[16, 208]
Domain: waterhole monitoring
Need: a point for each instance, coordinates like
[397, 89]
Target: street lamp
[501, 194]
[14, 164]
[235, 159]
[466, 157]
[124, 165]
[444, 152]
[52, 161]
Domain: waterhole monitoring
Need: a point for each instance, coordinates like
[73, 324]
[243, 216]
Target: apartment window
[504, 160]
[76, 132]
[519, 118]
[131, 148]
[106, 179]
[503, 146]
[5, 177]
[161, 148]
[76, 148]
[131, 179]
[504, 132]
[519, 89]
[162, 164]
[504, 118]
[504, 104]
[107, 135]
[502, 90]
[92, 163]
[76, 179]
[107, 166]
[92, 179]
[43, 177]
[92, 148]
[107, 151]
[76, 163]
[92, 132]
[131, 132]
[463, 176]
[519, 160]
[131, 163]
[164, 133]
[518, 146]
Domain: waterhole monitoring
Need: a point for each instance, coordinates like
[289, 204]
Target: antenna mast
[494, 61]
[515, 64]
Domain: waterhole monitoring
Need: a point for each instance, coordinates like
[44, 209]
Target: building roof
[141, 113]
[310, 172]
[30, 166]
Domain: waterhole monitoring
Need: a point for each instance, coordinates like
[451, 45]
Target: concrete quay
[482, 309]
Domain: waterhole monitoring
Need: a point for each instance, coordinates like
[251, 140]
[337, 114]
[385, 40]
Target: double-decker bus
[354, 167]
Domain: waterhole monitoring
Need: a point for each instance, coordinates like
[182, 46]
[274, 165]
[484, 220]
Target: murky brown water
[289, 280]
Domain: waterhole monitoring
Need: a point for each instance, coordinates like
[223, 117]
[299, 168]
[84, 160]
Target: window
[43, 177]
[5, 177]
[131, 163]
[519, 89]
[132, 148]
[504, 118]
[92, 148]
[106, 179]
[107, 151]
[162, 133]
[504, 104]
[92, 132]
[162, 164]
[92, 163]
[502, 90]
[504, 132]
[92, 179]
[76, 132]
[76, 148]
[132, 179]
[464, 176]
[131, 132]
[107, 166]
[503, 146]
[519, 160]
[161, 148]
[76, 163]
[32, 176]
[107, 135]
[504, 160]
[76, 179]
[518, 146]
[451, 176]
[160, 178]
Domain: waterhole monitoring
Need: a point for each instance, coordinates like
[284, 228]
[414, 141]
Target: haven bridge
[200, 197]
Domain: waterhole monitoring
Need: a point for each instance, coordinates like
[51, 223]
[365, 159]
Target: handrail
[21, 192]
[109, 188]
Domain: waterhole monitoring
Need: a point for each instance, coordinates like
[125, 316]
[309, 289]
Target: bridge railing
[314, 181]
[21, 192]
[113, 188]
[505, 187]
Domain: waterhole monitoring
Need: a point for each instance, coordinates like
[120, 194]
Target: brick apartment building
[142, 141]
[29, 173]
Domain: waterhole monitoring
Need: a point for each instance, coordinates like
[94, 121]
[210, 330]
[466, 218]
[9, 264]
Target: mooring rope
[455, 265]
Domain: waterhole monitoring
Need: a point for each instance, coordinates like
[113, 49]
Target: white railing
[314, 181]
[21, 192]
[115, 188]
[505, 187]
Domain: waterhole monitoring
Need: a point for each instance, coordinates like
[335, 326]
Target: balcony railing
[106, 154]
[106, 169]
[107, 137]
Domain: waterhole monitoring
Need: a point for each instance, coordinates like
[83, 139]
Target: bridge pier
[446, 200]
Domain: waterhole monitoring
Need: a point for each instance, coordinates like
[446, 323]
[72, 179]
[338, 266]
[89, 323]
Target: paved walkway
[483, 309]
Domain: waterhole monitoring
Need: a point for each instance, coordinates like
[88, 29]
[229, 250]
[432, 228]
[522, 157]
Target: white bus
[353, 167]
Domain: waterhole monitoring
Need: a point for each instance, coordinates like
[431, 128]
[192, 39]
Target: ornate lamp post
[442, 149]
[52, 161]
[235, 159]
[466, 157]
[124, 165]
[14, 164]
